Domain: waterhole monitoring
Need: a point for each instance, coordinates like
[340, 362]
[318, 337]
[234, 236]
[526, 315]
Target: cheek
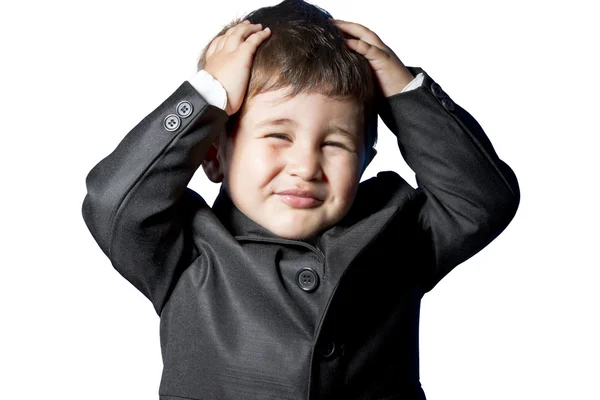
[343, 176]
[251, 162]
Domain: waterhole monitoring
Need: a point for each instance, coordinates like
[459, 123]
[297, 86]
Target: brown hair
[307, 53]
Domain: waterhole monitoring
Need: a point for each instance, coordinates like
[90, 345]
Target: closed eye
[336, 144]
[285, 137]
[278, 135]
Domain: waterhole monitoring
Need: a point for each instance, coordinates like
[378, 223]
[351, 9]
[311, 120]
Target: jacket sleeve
[138, 207]
[467, 195]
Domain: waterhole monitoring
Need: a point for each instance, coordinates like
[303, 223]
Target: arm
[137, 205]
[469, 194]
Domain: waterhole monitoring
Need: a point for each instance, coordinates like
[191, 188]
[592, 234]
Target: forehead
[303, 110]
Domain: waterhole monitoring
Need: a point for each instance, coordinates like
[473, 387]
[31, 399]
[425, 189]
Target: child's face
[309, 152]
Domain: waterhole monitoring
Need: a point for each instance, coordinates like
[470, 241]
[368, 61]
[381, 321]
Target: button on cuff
[184, 109]
[171, 122]
[448, 103]
[436, 89]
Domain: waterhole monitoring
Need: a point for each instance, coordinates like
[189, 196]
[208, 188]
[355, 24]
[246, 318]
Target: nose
[305, 163]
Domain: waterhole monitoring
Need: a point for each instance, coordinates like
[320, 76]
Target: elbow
[513, 198]
[512, 201]
[504, 212]
[96, 213]
[506, 200]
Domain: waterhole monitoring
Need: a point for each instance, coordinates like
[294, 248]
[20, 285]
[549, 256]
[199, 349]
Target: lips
[300, 193]
[299, 198]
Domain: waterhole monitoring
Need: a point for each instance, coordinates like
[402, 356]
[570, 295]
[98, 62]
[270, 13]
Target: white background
[519, 320]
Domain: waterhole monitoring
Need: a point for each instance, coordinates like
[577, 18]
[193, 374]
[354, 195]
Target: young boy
[301, 282]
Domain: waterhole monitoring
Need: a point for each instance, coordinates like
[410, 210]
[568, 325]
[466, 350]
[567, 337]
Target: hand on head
[392, 75]
[229, 60]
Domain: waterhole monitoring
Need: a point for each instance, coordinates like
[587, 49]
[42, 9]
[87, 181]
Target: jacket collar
[370, 212]
[374, 207]
[240, 225]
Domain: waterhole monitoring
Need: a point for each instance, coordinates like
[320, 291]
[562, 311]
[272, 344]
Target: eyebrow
[288, 121]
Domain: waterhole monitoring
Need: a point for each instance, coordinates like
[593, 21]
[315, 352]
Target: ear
[212, 166]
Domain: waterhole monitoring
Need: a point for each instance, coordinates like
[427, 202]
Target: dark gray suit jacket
[245, 314]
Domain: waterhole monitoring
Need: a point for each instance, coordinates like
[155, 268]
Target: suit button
[328, 350]
[184, 109]
[436, 89]
[307, 279]
[448, 103]
[172, 122]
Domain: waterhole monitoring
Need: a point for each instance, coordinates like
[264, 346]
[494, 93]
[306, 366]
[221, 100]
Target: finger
[231, 31]
[217, 43]
[236, 26]
[241, 27]
[235, 39]
[371, 52]
[212, 47]
[360, 32]
[221, 43]
[256, 39]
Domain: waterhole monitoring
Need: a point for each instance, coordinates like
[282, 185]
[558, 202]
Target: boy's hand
[391, 73]
[229, 59]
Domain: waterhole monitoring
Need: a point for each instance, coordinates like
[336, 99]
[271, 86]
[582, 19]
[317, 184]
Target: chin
[293, 234]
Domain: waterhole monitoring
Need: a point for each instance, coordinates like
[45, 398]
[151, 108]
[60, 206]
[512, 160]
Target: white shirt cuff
[415, 83]
[211, 89]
